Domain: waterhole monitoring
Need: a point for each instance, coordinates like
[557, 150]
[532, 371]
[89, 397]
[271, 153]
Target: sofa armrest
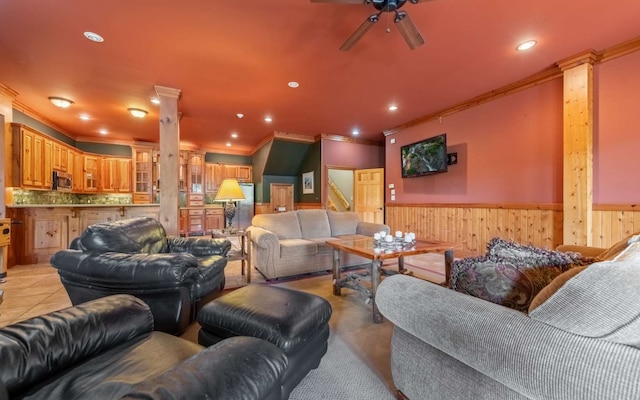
[238, 368]
[586, 251]
[199, 247]
[263, 238]
[369, 228]
[134, 270]
[528, 356]
[40, 347]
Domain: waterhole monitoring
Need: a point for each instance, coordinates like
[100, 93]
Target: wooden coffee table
[364, 247]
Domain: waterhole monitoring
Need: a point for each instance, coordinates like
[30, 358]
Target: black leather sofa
[175, 276]
[107, 349]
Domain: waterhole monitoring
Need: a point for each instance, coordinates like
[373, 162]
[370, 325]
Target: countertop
[79, 205]
[91, 205]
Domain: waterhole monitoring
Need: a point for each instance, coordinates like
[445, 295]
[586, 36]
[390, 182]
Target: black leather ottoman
[297, 322]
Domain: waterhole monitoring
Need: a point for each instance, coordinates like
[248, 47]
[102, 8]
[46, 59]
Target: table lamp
[230, 192]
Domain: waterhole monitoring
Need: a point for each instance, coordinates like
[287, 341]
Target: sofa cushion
[343, 223]
[314, 223]
[297, 248]
[321, 242]
[600, 302]
[284, 225]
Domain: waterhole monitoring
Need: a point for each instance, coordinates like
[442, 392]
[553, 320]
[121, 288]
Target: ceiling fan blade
[359, 33]
[342, 1]
[408, 30]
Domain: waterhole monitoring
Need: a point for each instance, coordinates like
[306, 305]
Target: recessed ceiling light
[103, 131]
[268, 119]
[239, 115]
[84, 117]
[393, 108]
[155, 100]
[526, 45]
[355, 132]
[293, 84]
[228, 144]
[60, 102]
[234, 135]
[137, 112]
[94, 37]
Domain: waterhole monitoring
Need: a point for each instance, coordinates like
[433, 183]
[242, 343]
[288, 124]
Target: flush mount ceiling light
[355, 132]
[137, 112]
[84, 117]
[103, 131]
[393, 108]
[526, 45]
[234, 135]
[268, 119]
[60, 102]
[228, 144]
[239, 115]
[94, 37]
[293, 84]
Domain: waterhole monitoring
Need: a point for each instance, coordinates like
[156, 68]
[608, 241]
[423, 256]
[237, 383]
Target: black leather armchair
[174, 276]
[106, 349]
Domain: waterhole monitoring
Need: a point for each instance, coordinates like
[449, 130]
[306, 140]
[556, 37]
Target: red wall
[352, 155]
[509, 151]
[617, 132]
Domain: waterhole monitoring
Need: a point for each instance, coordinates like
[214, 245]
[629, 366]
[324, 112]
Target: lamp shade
[229, 191]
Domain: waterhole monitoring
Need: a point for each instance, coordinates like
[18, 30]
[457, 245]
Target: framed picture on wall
[307, 183]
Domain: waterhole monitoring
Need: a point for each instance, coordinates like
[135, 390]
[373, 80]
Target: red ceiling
[231, 57]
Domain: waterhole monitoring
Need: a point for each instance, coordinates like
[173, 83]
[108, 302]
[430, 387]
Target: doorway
[281, 197]
[339, 189]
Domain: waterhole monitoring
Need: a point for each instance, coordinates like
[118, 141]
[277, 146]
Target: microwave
[62, 181]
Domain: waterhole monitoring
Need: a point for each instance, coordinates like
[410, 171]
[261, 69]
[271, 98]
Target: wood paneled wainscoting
[473, 225]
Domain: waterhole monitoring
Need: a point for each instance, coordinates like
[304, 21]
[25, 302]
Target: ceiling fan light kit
[407, 28]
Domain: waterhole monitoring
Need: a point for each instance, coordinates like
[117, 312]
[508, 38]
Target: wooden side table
[242, 253]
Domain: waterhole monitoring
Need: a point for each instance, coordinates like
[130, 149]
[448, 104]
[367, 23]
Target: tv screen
[426, 157]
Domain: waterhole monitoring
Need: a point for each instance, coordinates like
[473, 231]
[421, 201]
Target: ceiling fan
[406, 27]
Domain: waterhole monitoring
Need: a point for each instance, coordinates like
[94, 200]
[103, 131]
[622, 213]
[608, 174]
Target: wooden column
[578, 149]
[169, 158]
[6, 116]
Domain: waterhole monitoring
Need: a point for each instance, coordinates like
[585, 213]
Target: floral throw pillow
[510, 274]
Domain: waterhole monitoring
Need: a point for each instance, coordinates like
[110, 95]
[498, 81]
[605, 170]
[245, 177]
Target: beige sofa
[294, 242]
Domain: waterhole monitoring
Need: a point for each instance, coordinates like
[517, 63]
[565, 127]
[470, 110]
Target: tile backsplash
[22, 196]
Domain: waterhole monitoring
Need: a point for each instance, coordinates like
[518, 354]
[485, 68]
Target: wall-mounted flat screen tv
[426, 157]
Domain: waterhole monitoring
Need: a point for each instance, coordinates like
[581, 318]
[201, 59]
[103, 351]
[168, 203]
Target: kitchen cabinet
[196, 221]
[244, 173]
[213, 177]
[91, 173]
[216, 173]
[44, 233]
[115, 175]
[124, 175]
[78, 172]
[96, 216]
[60, 157]
[28, 157]
[47, 164]
[196, 173]
[143, 174]
[184, 222]
[213, 219]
